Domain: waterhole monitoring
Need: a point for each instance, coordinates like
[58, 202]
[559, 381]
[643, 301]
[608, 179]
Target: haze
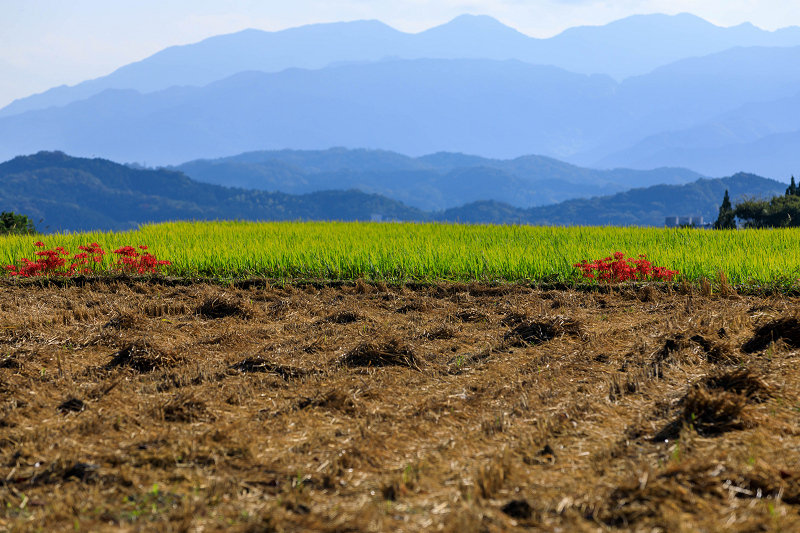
[46, 43]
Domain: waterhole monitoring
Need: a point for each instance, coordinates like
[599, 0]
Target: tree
[793, 190]
[11, 223]
[777, 212]
[726, 218]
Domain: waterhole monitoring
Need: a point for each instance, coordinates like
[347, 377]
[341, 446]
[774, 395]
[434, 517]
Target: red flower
[618, 268]
[56, 262]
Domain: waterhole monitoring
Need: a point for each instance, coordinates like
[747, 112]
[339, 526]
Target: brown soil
[138, 406]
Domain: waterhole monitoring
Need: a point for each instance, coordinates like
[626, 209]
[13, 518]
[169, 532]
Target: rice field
[389, 251]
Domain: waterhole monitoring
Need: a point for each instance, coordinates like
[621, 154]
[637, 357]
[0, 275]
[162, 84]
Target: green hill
[642, 207]
[433, 182]
[64, 193]
[77, 194]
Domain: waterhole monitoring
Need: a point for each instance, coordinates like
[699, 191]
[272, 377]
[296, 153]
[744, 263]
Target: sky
[45, 43]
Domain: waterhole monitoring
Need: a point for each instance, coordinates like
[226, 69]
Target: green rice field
[390, 251]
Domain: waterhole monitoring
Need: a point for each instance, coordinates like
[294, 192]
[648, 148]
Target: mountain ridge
[584, 50]
[499, 109]
[733, 131]
[79, 194]
[431, 182]
[637, 207]
[774, 154]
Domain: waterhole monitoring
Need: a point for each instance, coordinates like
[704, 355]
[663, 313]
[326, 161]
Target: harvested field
[140, 406]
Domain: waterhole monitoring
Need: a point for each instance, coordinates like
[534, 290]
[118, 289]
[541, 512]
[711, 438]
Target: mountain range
[499, 109]
[432, 183]
[638, 207]
[79, 194]
[758, 136]
[642, 93]
[628, 47]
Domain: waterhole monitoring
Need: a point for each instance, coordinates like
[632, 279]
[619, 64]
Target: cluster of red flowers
[132, 261]
[57, 262]
[620, 268]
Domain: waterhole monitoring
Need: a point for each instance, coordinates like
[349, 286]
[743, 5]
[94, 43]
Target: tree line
[776, 212]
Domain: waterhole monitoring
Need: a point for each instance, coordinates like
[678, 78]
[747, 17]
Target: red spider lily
[126, 251]
[56, 262]
[133, 262]
[94, 250]
[618, 268]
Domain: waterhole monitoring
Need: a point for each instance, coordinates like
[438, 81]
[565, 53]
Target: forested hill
[77, 194]
[642, 207]
[433, 182]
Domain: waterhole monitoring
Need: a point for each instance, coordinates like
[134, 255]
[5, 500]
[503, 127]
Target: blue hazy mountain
[770, 155]
[632, 46]
[434, 182]
[739, 139]
[499, 109]
[494, 108]
[638, 44]
[12, 77]
[693, 92]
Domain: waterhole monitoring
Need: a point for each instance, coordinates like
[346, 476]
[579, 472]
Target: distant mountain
[756, 137]
[14, 77]
[771, 155]
[693, 92]
[640, 207]
[76, 194]
[433, 182]
[631, 46]
[498, 109]
[642, 43]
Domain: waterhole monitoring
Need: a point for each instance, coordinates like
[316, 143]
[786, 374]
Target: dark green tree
[793, 189]
[11, 223]
[726, 218]
[777, 212]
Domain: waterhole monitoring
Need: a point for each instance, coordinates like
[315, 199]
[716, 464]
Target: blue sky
[44, 43]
